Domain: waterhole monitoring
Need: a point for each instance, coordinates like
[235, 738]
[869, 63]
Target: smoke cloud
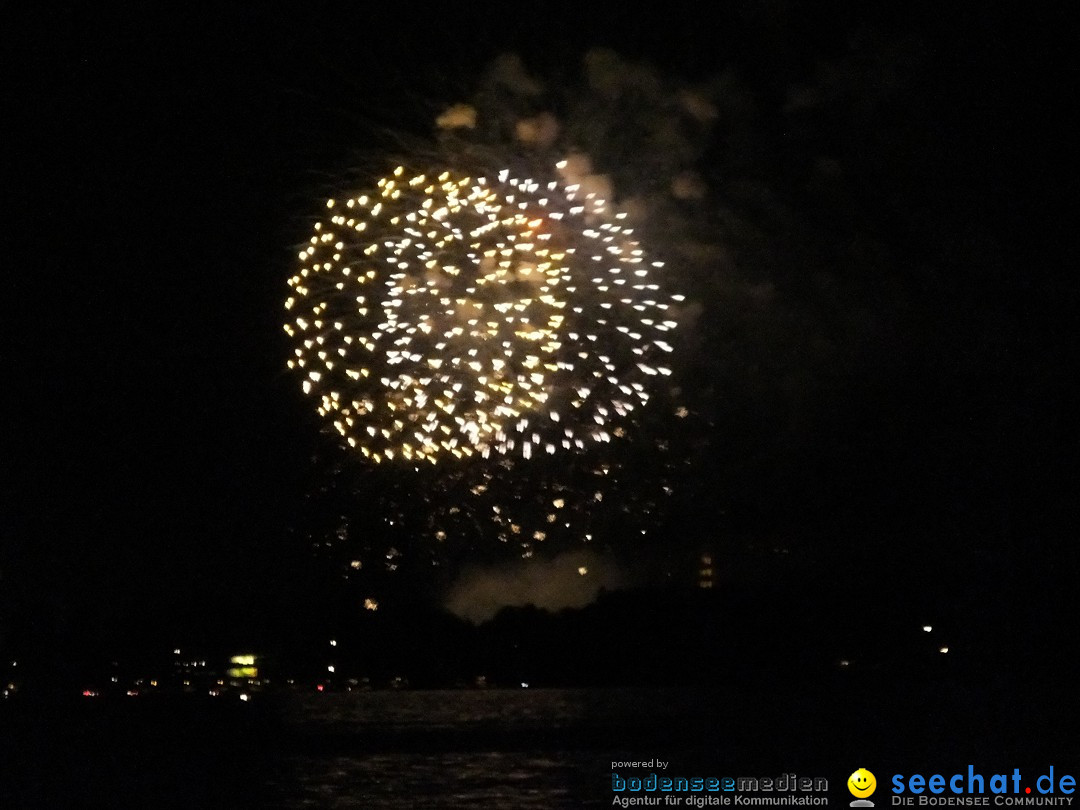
[570, 580]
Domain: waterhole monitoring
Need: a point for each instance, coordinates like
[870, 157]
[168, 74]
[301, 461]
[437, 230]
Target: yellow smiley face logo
[861, 783]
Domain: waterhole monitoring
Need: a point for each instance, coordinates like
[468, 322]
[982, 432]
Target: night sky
[160, 165]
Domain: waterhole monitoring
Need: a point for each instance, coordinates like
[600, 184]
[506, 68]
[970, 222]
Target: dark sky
[159, 164]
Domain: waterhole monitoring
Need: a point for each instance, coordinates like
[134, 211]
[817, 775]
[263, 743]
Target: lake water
[512, 749]
[502, 749]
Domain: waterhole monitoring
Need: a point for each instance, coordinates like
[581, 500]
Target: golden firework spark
[448, 316]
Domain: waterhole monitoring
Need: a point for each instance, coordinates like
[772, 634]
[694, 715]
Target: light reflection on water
[488, 779]
[473, 709]
[554, 749]
[499, 749]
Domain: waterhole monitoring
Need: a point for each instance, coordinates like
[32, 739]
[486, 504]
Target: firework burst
[444, 316]
[480, 326]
